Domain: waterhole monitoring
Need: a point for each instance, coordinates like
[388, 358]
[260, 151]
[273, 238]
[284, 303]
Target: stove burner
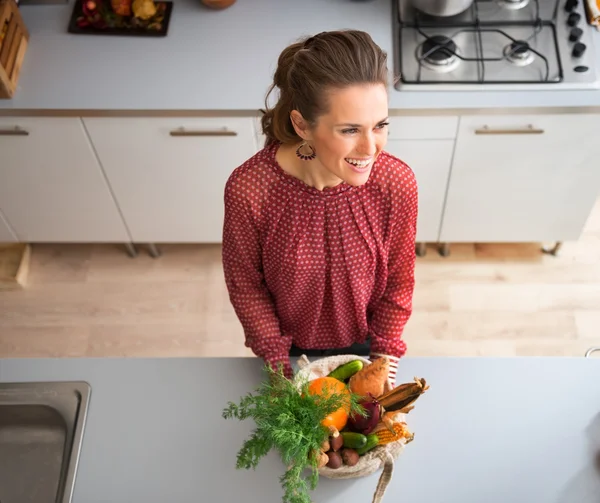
[519, 53]
[439, 53]
[439, 49]
[513, 4]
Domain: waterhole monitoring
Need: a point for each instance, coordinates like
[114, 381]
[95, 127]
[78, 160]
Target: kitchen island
[488, 430]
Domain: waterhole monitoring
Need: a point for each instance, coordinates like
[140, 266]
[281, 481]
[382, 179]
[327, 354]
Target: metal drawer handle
[529, 130]
[589, 352]
[17, 131]
[216, 132]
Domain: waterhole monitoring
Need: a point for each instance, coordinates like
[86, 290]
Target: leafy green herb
[288, 419]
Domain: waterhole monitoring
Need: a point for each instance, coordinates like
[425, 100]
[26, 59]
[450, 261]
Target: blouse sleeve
[244, 279]
[395, 307]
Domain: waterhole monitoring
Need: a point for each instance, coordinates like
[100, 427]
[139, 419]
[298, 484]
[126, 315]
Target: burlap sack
[379, 457]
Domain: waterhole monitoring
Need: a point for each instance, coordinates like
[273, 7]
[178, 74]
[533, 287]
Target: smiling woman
[320, 225]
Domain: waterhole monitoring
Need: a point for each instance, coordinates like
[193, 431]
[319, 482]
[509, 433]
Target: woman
[319, 230]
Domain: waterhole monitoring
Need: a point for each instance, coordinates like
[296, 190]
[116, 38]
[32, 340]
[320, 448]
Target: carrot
[371, 378]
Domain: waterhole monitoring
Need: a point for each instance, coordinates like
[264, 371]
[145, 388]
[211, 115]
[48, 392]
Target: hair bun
[284, 65]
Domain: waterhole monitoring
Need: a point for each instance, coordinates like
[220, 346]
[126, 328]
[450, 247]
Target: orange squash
[331, 386]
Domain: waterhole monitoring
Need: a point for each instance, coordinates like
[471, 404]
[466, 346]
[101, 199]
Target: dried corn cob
[402, 397]
[385, 436]
[389, 418]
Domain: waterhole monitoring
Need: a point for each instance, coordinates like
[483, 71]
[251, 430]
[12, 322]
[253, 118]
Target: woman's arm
[395, 307]
[242, 265]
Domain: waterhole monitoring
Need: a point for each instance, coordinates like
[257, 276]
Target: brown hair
[307, 69]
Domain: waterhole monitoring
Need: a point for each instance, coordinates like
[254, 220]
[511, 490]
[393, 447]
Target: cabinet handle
[17, 131]
[216, 132]
[529, 130]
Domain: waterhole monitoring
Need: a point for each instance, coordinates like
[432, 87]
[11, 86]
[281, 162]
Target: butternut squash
[371, 378]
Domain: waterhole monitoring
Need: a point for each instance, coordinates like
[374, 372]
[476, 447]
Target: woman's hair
[308, 69]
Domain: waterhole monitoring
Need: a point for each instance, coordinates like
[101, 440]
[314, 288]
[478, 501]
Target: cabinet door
[522, 178]
[169, 175]
[6, 233]
[430, 160]
[259, 137]
[51, 185]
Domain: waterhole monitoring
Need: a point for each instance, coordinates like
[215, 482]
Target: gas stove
[496, 45]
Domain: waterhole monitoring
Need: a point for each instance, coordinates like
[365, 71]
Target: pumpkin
[330, 386]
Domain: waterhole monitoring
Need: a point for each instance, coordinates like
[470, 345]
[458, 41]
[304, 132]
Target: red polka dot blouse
[321, 269]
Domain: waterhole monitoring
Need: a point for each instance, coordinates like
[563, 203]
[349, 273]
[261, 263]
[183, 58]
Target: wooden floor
[504, 300]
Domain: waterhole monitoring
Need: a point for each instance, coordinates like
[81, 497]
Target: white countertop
[215, 61]
[491, 430]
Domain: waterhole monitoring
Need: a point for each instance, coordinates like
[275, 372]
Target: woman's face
[352, 134]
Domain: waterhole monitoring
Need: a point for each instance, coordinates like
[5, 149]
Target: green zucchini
[353, 440]
[346, 371]
[372, 441]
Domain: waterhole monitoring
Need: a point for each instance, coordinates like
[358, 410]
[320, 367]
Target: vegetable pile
[382, 419]
[329, 421]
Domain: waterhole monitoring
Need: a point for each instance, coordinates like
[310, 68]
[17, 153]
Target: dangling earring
[306, 157]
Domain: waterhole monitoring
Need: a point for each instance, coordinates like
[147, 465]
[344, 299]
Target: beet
[366, 425]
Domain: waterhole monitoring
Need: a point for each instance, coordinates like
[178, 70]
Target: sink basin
[41, 431]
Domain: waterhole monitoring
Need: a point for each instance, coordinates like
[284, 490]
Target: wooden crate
[14, 265]
[14, 38]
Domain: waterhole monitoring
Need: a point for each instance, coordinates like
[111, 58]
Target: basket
[381, 457]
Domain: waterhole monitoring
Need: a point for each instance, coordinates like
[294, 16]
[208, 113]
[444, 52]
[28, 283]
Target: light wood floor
[505, 300]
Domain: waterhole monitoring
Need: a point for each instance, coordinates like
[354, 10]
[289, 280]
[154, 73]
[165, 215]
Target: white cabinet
[426, 145]
[259, 137]
[6, 233]
[430, 160]
[51, 185]
[522, 178]
[498, 178]
[168, 174]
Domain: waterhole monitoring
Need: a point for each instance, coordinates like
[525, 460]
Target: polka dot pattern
[321, 269]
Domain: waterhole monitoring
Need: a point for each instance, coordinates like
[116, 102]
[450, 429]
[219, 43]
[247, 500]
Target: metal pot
[442, 8]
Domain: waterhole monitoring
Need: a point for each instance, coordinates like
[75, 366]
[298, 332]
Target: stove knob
[573, 19]
[578, 50]
[570, 5]
[575, 34]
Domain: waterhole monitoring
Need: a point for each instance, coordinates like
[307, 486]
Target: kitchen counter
[218, 62]
[488, 429]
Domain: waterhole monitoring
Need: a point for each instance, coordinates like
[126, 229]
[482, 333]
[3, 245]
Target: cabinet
[498, 178]
[51, 185]
[426, 145]
[522, 178]
[430, 161]
[259, 137]
[6, 234]
[168, 174]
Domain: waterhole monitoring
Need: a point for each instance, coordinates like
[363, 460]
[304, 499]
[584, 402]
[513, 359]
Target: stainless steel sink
[41, 432]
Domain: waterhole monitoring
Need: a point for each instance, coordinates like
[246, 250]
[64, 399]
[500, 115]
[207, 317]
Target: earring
[306, 157]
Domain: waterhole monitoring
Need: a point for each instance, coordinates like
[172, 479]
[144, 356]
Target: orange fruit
[328, 386]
